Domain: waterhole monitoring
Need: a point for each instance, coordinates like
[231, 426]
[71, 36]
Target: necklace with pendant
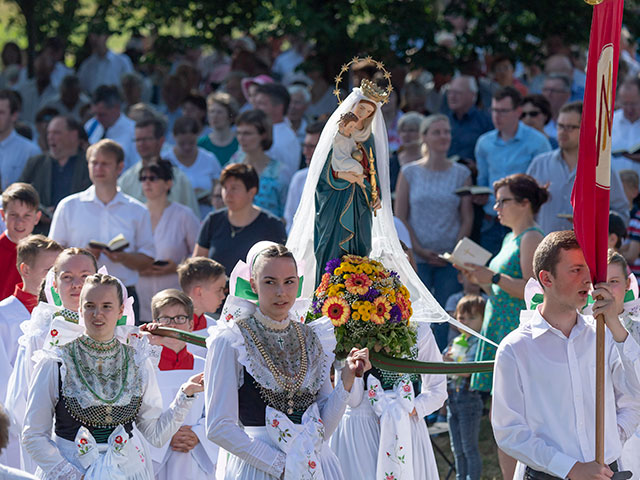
[235, 231]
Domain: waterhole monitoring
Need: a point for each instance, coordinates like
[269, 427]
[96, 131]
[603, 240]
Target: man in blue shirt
[467, 122]
[504, 151]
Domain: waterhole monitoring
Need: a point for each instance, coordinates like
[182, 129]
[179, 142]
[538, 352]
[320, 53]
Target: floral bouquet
[368, 306]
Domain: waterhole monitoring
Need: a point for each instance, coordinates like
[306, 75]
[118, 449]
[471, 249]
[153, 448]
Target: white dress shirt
[82, 217]
[624, 135]
[33, 100]
[543, 394]
[122, 132]
[286, 149]
[294, 194]
[15, 150]
[107, 70]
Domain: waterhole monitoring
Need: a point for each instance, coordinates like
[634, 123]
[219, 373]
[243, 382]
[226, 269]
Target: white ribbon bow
[393, 407]
[117, 462]
[301, 443]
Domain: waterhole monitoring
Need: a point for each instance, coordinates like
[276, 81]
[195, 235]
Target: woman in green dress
[518, 199]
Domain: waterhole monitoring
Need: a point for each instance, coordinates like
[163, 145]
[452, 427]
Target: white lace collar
[271, 323]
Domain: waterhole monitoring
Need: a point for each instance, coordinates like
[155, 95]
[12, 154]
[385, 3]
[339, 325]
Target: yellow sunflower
[337, 310]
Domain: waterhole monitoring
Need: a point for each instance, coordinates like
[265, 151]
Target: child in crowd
[617, 231]
[468, 288]
[204, 281]
[20, 202]
[189, 455]
[465, 406]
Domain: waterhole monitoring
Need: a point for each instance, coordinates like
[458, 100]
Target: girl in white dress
[362, 445]
[269, 399]
[91, 388]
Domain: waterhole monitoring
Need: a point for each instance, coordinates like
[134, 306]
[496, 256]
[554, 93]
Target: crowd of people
[129, 197]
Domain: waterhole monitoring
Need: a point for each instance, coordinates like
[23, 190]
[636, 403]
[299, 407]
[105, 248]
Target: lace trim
[279, 464]
[38, 324]
[271, 324]
[64, 471]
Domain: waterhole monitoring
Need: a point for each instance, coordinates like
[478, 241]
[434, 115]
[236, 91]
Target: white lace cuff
[64, 471]
[277, 467]
[181, 406]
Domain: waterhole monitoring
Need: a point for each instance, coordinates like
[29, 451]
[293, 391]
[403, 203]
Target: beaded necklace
[289, 383]
[70, 316]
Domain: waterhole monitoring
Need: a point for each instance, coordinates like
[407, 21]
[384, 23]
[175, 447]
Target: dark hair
[274, 251]
[72, 124]
[524, 187]
[348, 117]
[632, 80]
[29, 248]
[23, 129]
[509, 92]
[227, 101]
[14, 101]
[5, 423]
[196, 100]
[21, 192]
[278, 94]
[471, 305]
[98, 279]
[106, 146]
[70, 81]
[547, 253]
[541, 103]
[572, 107]
[499, 59]
[198, 269]
[163, 169]
[72, 252]
[314, 128]
[243, 172]
[168, 297]
[617, 227]
[11, 48]
[107, 94]
[46, 114]
[158, 124]
[185, 126]
[259, 120]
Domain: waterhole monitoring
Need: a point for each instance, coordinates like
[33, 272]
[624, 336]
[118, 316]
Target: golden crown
[373, 91]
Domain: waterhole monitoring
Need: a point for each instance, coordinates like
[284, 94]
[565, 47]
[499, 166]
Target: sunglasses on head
[150, 178]
[532, 114]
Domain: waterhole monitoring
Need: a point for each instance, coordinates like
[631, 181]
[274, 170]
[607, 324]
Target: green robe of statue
[343, 213]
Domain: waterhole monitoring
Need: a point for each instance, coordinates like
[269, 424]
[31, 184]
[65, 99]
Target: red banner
[590, 196]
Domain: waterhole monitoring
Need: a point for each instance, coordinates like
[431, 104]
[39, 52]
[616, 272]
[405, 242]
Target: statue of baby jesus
[346, 157]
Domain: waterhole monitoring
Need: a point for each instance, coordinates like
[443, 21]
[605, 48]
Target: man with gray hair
[300, 100]
[109, 122]
[557, 89]
[467, 121]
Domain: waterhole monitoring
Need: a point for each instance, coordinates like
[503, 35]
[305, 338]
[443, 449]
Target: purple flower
[371, 295]
[394, 274]
[332, 265]
[396, 314]
[316, 306]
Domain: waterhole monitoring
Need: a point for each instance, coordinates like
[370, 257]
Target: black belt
[531, 474]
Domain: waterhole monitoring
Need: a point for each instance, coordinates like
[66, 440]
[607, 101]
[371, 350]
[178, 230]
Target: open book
[467, 251]
[631, 150]
[474, 190]
[116, 244]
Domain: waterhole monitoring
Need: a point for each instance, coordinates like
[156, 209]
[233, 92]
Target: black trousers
[531, 474]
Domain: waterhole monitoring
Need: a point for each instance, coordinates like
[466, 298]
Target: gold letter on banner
[604, 116]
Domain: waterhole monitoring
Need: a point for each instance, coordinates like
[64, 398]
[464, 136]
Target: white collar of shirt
[539, 326]
[89, 195]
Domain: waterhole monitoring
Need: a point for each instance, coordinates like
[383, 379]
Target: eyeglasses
[532, 114]
[178, 320]
[501, 202]
[554, 90]
[568, 128]
[150, 178]
[501, 111]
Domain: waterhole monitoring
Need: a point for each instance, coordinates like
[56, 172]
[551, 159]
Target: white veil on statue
[385, 245]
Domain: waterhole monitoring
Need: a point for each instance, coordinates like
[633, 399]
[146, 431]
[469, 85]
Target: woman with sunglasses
[536, 113]
[175, 230]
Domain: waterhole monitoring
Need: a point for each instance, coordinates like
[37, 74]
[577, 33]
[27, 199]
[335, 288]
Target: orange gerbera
[337, 310]
[358, 283]
[324, 284]
[405, 306]
[355, 259]
[381, 311]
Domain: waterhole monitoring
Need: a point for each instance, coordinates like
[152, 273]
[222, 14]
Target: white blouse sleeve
[222, 373]
[434, 387]
[38, 423]
[157, 426]
[333, 403]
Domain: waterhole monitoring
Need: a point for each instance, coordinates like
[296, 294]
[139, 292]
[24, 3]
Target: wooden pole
[600, 389]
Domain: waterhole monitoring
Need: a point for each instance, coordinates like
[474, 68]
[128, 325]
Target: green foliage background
[339, 28]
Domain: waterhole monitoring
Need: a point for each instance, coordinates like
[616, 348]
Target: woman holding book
[436, 217]
[518, 199]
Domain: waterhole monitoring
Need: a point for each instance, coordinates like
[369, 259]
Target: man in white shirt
[101, 213]
[103, 67]
[543, 389]
[37, 91]
[625, 130]
[149, 139]
[273, 99]
[110, 122]
[15, 150]
[294, 194]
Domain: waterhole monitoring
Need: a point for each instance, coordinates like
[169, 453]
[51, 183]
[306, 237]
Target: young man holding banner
[543, 392]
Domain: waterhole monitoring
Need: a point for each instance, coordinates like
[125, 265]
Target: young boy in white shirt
[543, 411]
